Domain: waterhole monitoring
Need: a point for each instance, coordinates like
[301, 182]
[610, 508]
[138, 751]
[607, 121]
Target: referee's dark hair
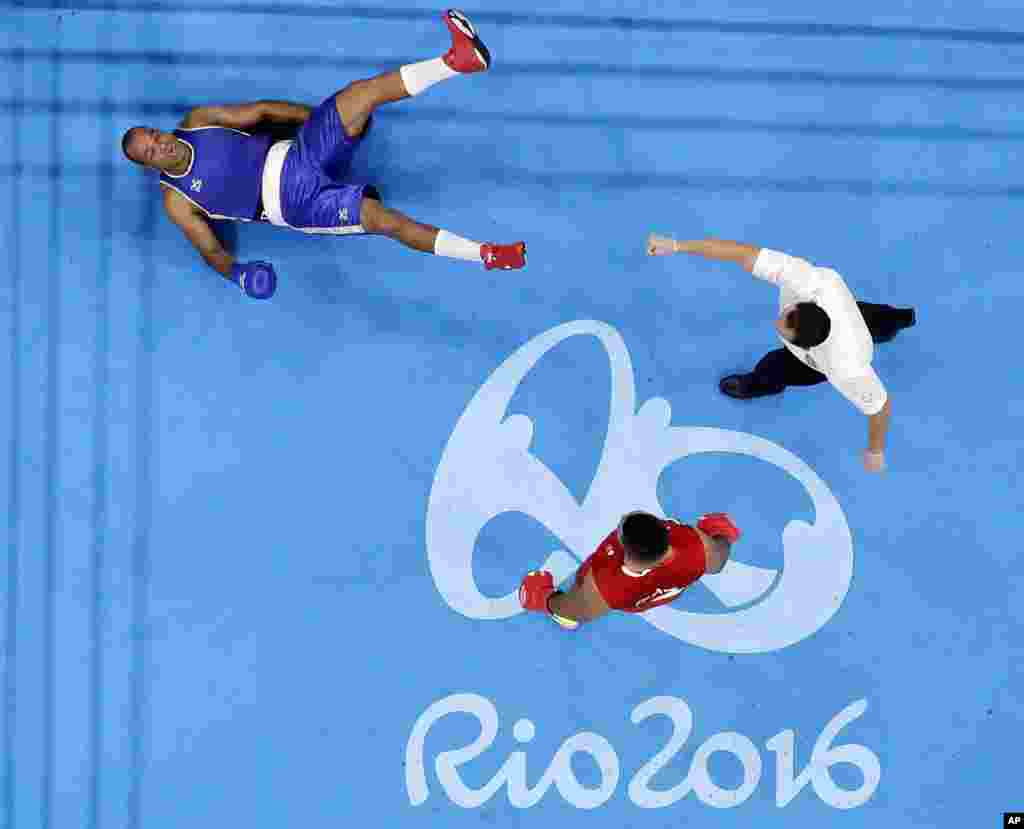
[812, 325]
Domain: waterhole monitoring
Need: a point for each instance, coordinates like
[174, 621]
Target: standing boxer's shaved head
[643, 537]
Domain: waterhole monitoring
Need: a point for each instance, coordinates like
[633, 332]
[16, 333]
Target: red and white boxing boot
[468, 53]
[507, 257]
[718, 523]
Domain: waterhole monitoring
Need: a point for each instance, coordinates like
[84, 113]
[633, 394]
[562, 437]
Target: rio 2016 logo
[487, 469]
[698, 780]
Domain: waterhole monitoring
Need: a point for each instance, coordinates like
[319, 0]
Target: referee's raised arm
[743, 255]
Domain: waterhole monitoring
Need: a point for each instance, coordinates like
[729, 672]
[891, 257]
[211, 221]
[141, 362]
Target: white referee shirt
[845, 355]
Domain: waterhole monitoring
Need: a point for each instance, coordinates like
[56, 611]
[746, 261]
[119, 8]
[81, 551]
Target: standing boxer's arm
[581, 604]
[247, 116]
[725, 251]
[717, 550]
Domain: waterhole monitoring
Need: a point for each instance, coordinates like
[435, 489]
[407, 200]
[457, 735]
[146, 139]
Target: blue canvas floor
[261, 557]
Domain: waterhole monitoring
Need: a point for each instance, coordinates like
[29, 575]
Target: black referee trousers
[780, 368]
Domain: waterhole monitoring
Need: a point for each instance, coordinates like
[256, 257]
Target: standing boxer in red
[644, 563]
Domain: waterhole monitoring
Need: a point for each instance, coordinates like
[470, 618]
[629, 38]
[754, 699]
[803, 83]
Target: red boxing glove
[536, 589]
[718, 523]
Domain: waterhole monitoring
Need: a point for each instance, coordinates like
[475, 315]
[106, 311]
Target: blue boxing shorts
[305, 184]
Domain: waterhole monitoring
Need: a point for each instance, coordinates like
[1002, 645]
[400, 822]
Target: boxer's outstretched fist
[257, 279]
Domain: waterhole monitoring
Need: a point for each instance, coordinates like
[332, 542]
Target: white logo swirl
[487, 469]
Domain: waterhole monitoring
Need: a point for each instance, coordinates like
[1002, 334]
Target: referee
[827, 334]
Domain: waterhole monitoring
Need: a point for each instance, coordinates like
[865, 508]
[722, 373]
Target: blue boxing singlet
[225, 177]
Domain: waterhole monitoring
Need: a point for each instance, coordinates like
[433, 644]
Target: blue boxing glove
[257, 279]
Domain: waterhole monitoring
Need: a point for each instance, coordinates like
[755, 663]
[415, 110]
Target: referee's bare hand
[874, 461]
[660, 245]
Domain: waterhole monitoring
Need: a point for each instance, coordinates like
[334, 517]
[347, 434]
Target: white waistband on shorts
[271, 187]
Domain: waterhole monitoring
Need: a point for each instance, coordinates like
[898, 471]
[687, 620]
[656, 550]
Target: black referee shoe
[908, 318]
[740, 386]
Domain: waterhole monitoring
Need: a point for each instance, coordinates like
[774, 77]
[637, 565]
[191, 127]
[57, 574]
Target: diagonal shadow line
[724, 183]
[712, 124]
[145, 462]
[52, 470]
[635, 122]
[100, 477]
[14, 498]
[575, 69]
[588, 181]
[567, 21]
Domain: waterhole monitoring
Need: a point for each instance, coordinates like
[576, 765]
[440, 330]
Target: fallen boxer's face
[155, 148]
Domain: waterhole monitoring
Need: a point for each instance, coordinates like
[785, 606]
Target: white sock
[420, 76]
[455, 247]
